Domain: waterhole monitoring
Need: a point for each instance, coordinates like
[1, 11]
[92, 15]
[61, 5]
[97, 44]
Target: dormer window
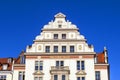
[5, 66]
[10, 60]
[55, 36]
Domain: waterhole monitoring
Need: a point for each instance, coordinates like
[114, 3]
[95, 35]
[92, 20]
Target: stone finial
[60, 15]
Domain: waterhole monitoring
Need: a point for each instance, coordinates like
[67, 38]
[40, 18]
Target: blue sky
[98, 20]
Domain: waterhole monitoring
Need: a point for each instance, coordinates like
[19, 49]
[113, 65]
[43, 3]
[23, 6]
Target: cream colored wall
[47, 63]
[8, 75]
[16, 74]
[103, 73]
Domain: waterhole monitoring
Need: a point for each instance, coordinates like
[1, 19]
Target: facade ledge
[75, 53]
[20, 65]
[60, 40]
[101, 64]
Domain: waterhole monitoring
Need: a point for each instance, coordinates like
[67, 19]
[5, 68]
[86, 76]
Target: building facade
[60, 52]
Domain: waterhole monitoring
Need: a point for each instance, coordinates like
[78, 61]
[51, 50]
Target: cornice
[57, 54]
[60, 29]
[60, 40]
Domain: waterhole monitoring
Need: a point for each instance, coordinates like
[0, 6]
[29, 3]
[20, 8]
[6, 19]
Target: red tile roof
[5, 61]
[100, 57]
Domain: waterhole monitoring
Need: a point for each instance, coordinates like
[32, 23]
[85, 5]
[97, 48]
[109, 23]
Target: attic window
[59, 26]
[5, 66]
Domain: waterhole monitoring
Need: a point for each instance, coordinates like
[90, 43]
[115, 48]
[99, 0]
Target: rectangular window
[38, 65]
[63, 36]
[78, 78]
[80, 65]
[97, 75]
[83, 78]
[47, 49]
[3, 77]
[71, 49]
[22, 60]
[55, 77]
[41, 65]
[38, 78]
[55, 49]
[63, 77]
[21, 75]
[59, 63]
[63, 49]
[55, 36]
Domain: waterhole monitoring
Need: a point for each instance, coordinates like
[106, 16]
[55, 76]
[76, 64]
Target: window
[47, 49]
[59, 63]
[80, 78]
[55, 36]
[59, 26]
[63, 77]
[63, 36]
[55, 77]
[3, 77]
[38, 65]
[22, 60]
[21, 75]
[97, 75]
[80, 65]
[63, 49]
[38, 78]
[55, 49]
[71, 49]
[5, 66]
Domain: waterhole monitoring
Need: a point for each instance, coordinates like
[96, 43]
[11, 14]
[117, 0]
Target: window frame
[47, 49]
[63, 36]
[55, 49]
[55, 36]
[72, 49]
[38, 65]
[97, 75]
[80, 65]
[63, 49]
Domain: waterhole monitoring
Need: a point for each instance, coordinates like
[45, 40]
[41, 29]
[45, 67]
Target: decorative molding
[38, 73]
[81, 72]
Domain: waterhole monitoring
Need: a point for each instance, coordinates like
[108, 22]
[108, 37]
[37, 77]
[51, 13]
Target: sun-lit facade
[60, 52]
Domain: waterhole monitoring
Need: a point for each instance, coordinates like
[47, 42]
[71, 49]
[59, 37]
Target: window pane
[55, 77]
[57, 63]
[78, 78]
[83, 78]
[63, 77]
[63, 49]
[71, 48]
[55, 36]
[55, 49]
[78, 65]
[83, 65]
[47, 49]
[41, 67]
[62, 63]
[63, 36]
[36, 78]
[40, 78]
[36, 67]
[97, 75]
